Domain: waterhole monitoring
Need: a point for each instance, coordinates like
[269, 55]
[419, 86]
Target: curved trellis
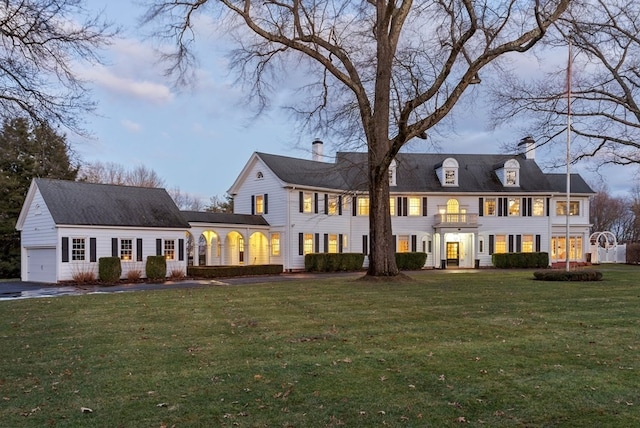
[604, 248]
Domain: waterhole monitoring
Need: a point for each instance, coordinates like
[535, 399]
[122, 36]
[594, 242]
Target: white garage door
[41, 265]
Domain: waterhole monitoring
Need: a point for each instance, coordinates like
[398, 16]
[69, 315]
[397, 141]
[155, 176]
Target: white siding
[38, 230]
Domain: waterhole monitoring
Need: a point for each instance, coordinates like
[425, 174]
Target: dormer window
[509, 173]
[392, 173]
[447, 172]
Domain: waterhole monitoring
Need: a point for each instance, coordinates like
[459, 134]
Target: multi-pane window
[561, 208]
[392, 205]
[500, 244]
[527, 243]
[514, 206]
[307, 202]
[414, 205]
[275, 244]
[126, 249]
[78, 249]
[333, 243]
[363, 206]
[538, 206]
[259, 204]
[558, 248]
[332, 205]
[511, 177]
[169, 249]
[308, 243]
[490, 206]
[403, 244]
[450, 176]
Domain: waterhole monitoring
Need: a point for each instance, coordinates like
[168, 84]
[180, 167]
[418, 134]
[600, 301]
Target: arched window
[453, 206]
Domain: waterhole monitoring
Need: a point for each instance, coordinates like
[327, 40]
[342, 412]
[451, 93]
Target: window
[392, 173]
[275, 244]
[363, 206]
[259, 175]
[169, 249]
[448, 172]
[538, 206]
[500, 244]
[307, 202]
[481, 245]
[527, 243]
[512, 177]
[403, 244]
[333, 243]
[392, 205]
[561, 208]
[308, 243]
[558, 248]
[414, 205]
[126, 249]
[450, 177]
[490, 206]
[332, 205]
[344, 243]
[508, 173]
[259, 204]
[78, 249]
[514, 206]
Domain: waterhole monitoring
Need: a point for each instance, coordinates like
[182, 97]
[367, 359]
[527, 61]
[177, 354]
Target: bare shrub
[134, 274]
[176, 274]
[83, 274]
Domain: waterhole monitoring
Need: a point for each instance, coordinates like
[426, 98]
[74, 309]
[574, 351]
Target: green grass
[479, 348]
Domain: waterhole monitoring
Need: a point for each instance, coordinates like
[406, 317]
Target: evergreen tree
[26, 151]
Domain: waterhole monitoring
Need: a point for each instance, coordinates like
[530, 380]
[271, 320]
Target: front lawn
[487, 348]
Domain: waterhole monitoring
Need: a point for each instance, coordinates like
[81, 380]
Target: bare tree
[605, 84]
[609, 213]
[219, 205]
[186, 201]
[40, 42]
[383, 71]
[115, 173]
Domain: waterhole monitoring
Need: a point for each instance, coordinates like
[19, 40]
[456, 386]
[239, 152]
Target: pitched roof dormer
[447, 172]
[509, 173]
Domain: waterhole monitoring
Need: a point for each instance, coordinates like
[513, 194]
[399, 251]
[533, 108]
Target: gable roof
[576, 183]
[91, 204]
[224, 218]
[416, 172]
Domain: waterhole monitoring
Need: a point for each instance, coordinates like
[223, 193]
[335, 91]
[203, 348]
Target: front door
[453, 253]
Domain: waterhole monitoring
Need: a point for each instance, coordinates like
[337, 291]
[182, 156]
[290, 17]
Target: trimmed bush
[333, 262]
[520, 260]
[109, 269]
[156, 268]
[572, 275]
[410, 261]
[633, 254]
[230, 271]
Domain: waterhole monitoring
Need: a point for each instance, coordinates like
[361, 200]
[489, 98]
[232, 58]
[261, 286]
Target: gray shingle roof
[416, 172]
[90, 204]
[224, 218]
[578, 185]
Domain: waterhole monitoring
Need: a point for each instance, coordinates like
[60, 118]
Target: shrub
[156, 268]
[109, 269]
[633, 254]
[410, 261]
[84, 275]
[572, 275]
[229, 271]
[134, 274]
[176, 274]
[333, 262]
[520, 260]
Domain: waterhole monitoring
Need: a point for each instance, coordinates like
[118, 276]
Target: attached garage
[41, 265]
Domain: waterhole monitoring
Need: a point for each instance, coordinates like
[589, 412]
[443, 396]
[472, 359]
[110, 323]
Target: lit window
[77, 249]
[561, 208]
[490, 206]
[403, 243]
[538, 206]
[514, 206]
[259, 204]
[333, 244]
[333, 205]
[344, 242]
[169, 249]
[275, 244]
[392, 205]
[527, 243]
[308, 243]
[414, 205]
[501, 244]
[363, 206]
[453, 206]
[126, 249]
[307, 203]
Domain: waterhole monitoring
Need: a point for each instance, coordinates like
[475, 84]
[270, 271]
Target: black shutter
[518, 243]
[326, 242]
[530, 206]
[326, 204]
[511, 243]
[398, 206]
[92, 250]
[315, 203]
[523, 208]
[300, 244]
[414, 243]
[266, 203]
[405, 210]
[253, 204]
[354, 205]
[481, 207]
[548, 204]
[424, 206]
[340, 239]
[538, 243]
[393, 240]
[340, 205]
[491, 244]
[500, 207]
[180, 249]
[301, 202]
[316, 243]
[139, 249]
[365, 244]
[158, 247]
[505, 207]
[65, 249]
[114, 247]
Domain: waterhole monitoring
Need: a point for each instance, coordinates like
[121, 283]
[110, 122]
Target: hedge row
[229, 271]
[109, 269]
[156, 268]
[520, 260]
[572, 275]
[410, 261]
[333, 262]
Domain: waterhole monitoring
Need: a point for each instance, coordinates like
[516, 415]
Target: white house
[457, 208]
[66, 226]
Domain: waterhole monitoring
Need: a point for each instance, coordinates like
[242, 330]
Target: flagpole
[568, 209]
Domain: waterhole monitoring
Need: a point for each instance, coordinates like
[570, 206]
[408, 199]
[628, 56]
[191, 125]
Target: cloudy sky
[198, 138]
